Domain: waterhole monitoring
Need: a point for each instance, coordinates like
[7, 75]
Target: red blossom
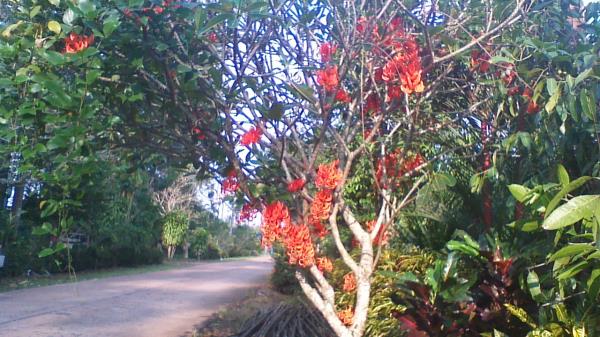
[361, 25]
[513, 90]
[299, 247]
[251, 137]
[327, 50]
[296, 185]
[321, 206]
[532, 107]
[346, 316]
[212, 37]
[373, 105]
[196, 131]
[158, 10]
[324, 264]
[480, 61]
[247, 213]
[349, 282]
[328, 78]
[230, 184]
[328, 175]
[507, 73]
[75, 43]
[276, 217]
[527, 93]
[342, 96]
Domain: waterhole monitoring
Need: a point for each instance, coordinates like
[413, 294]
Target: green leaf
[551, 104]
[582, 76]
[217, 19]
[454, 245]
[46, 252]
[576, 269]
[54, 27]
[136, 3]
[593, 284]
[563, 175]
[573, 211]
[551, 86]
[533, 283]
[520, 192]
[110, 24]
[588, 103]
[87, 7]
[570, 250]
[69, 17]
[34, 11]
[575, 184]
[55, 3]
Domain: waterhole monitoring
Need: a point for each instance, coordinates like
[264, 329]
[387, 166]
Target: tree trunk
[17, 206]
[171, 251]
[186, 250]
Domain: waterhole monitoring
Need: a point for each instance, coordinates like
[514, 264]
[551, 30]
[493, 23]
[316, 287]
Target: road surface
[159, 304]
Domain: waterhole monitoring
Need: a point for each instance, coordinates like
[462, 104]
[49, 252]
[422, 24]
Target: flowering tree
[326, 117]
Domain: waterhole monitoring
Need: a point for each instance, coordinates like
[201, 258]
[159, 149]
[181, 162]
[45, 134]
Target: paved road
[159, 304]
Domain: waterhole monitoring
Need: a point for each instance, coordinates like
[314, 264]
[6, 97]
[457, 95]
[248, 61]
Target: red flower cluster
[299, 245]
[296, 185]
[75, 43]
[349, 282]
[251, 137]
[230, 184]
[327, 50]
[196, 131]
[404, 69]
[328, 175]
[275, 217]
[346, 316]
[373, 105]
[320, 210]
[328, 78]
[247, 213]
[212, 37]
[324, 264]
[480, 61]
[342, 96]
[396, 166]
[507, 73]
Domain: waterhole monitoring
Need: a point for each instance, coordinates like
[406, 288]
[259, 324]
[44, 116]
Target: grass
[22, 282]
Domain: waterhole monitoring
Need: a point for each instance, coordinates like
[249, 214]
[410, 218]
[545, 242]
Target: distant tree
[175, 227]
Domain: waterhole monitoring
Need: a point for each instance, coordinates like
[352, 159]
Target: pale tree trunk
[186, 250]
[171, 251]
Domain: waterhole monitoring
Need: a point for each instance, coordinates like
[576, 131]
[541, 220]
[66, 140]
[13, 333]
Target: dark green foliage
[283, 279]
[287, 320]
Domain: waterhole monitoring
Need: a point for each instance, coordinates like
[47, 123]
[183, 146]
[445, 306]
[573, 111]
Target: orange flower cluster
[251, 137]
[296, 185]
[382, 235]
[299, 245]
[230, 184]
[324, 264]
[328, 175]
[328, 78]
[277, 225]
[342, 96]
[75, 43]
[276, 216]
[346, 316]
[404, 69]
[349, 282]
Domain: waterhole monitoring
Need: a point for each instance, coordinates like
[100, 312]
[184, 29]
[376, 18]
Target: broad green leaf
[46, 252]
[551, 86]
[110, 24]
[575, 184]
[521, 314]
[135, 3]
[582, 76]
[572, 249]
[588, 103]
[563, 175]
[593, 284]
[7, 32]
[87, 7]
[69, 17]
[576, 269]
[54, 2]
[520, 192]
[454, 245]
[573, 211]
[533, 283]
[54, 27]
[551, 104]
[34, 11]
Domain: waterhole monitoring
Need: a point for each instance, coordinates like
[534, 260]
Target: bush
[198, 239]
[283, 279]
[213, 252]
